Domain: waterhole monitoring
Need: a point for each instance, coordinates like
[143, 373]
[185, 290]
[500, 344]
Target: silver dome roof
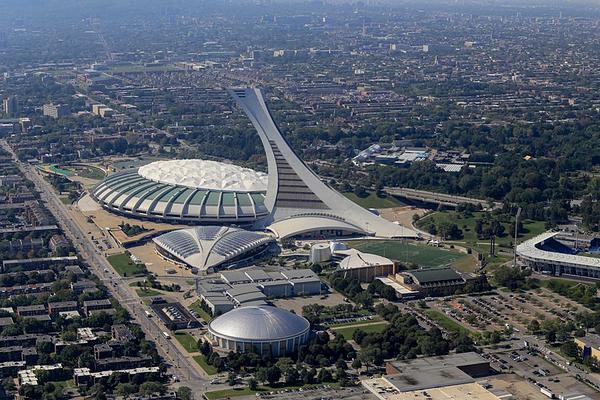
[258, 323]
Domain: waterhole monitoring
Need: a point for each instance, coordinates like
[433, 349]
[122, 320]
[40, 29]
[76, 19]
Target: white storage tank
[320, 253]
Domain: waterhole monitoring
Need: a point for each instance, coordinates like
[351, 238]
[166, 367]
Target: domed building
[208, 248]
[264, 329]
[186, 191]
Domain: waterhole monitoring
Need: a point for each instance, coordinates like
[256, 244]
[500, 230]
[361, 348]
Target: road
[437, 198]
[125, 295]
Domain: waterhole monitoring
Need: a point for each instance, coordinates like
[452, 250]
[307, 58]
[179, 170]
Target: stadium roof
[205, 174]
[530, 249]
[361, 260]
[207, 247]
[262, 323]
[186, 190]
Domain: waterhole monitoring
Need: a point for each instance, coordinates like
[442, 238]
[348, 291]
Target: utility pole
[516, 234]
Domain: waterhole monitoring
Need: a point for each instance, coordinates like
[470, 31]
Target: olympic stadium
[264, 329]
[208, 248]
[291, 201]
[186, 191]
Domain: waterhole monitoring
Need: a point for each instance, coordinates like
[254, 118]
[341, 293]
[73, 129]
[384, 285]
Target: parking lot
[537, 371]
[517, 310]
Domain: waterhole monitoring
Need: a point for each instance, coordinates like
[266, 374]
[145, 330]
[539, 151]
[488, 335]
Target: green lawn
[374, 201]
[446, 322]
[195, 306]
[347, 332]
[420, 254]
[209, 369]
[467, 225]
[187, 341]
[147, 292]
[124, 266]
[65, 200]
[91, 172]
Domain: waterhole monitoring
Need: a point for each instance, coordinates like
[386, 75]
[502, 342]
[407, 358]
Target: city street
[179, 366]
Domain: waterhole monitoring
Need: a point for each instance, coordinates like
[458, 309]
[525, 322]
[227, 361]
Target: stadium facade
[263, 329]
[547, 255]
[186, 191]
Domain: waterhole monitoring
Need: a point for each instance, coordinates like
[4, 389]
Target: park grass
[447, 322]
[124, 266]
[348, 332]
[195, 306]
[65, 200]
[467, 225]
[187, 341]
[202, 362]
[91, 172]
[420, 254]
[374, 201]
[141, 292]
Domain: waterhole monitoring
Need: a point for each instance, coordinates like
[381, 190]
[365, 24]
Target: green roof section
[197, 199]
[429, 275]
[213, 199]
[228, 199]
[243, 200]
[183, 196]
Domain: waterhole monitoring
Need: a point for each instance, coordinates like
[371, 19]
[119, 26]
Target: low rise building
[55, 308]
[90, 306]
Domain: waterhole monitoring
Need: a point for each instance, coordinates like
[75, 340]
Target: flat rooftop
[468, 391]
[427, 378]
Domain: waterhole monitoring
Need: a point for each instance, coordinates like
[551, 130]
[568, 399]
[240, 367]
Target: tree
[273, 375]
[185, 393]
[324, 375]
[570, 349]
[125, 389]
[252, 384]
[357, 364]
[151, 387]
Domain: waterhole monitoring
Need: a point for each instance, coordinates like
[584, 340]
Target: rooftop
[205, 174]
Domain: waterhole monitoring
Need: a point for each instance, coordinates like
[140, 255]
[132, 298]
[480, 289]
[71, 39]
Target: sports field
[408, 253]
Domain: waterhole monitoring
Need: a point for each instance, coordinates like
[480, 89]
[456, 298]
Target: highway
[125, 295]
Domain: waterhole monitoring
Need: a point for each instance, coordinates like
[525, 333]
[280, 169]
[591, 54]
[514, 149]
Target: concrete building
[320, 253]
[366, 267]
[431, 281]
[263, 329]
[547, 255]
[90, 306]
[589, 345]
[179, 191]
[62, 306]
[440, 378]
[56, 110]
[10, 106]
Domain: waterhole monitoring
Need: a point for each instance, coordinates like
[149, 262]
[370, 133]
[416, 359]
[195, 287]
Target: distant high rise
[56, 110]
[10, 106]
